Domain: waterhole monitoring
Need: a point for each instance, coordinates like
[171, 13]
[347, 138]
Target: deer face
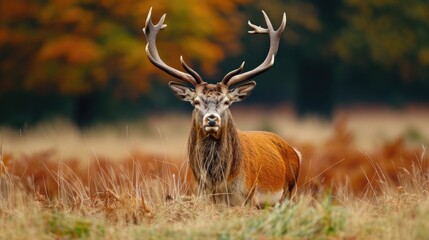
[211, 102]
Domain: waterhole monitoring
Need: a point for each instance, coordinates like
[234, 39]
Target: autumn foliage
[74, 47]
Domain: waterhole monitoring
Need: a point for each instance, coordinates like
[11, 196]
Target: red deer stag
[233, 167]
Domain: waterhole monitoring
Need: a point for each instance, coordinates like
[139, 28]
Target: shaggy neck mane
[213, 160]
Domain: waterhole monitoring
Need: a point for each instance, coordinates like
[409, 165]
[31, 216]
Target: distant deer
[231, 166]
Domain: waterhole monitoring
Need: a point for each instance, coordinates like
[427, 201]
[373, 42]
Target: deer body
[265, 171]
[231, 166]
[241, 166]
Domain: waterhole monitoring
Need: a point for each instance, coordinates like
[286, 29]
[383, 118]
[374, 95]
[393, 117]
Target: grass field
[364, 176]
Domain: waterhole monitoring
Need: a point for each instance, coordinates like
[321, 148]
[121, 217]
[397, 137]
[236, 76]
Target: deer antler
[234, 77]
[151, 31]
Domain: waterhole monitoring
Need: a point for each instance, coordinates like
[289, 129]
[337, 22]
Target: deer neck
[214, 160]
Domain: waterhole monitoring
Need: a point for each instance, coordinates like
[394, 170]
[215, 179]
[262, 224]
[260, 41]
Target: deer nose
[211, 120]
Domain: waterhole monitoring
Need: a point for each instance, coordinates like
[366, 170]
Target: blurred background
[84, 60]
[349, 88]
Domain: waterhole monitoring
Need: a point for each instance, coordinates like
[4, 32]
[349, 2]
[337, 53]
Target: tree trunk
[314, 92]
[85, 106]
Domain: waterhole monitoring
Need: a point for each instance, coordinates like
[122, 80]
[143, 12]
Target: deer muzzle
[211, 122]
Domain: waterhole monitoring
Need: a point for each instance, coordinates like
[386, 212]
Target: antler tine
[150, 31]
[232, 73]
[283, 24]
[234, 77]
[191, 71]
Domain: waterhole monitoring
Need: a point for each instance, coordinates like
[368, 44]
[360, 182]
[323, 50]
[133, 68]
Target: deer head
[212, 101]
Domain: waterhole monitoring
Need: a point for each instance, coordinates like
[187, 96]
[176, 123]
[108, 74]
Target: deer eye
[196, 103]
[226, 103]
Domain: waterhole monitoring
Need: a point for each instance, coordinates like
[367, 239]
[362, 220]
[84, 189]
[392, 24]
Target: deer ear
[242, 91]
[182, 91]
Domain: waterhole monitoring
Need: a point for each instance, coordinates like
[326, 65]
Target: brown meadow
[154, 191]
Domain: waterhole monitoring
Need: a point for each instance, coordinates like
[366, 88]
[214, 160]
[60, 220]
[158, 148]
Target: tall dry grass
[124, 212]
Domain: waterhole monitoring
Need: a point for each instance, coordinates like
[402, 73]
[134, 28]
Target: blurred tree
[308, 60]
[384, 45]
[77, 47]
[394, 34]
